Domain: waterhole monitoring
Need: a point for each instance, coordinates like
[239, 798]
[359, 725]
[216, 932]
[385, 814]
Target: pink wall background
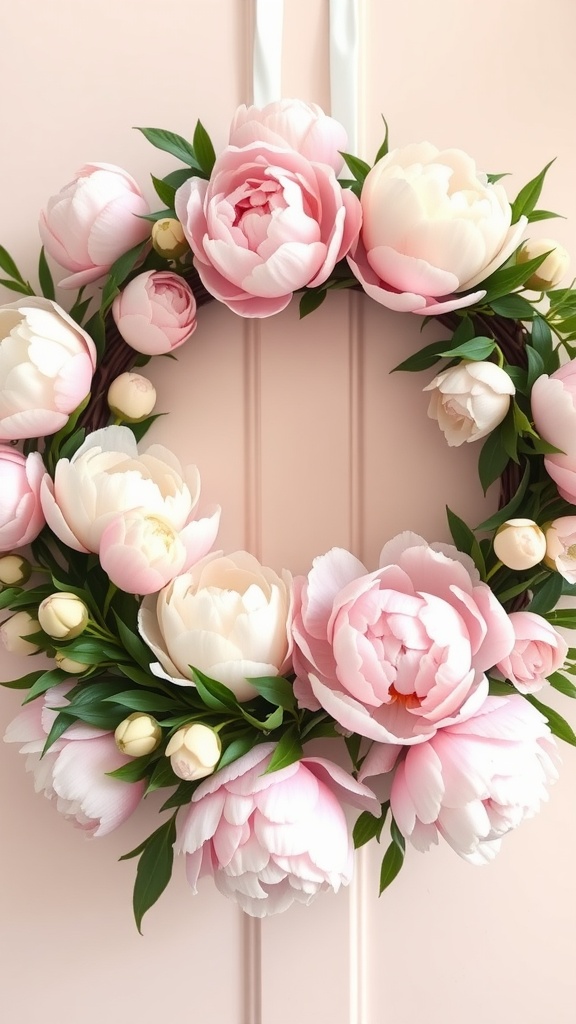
[304, 439]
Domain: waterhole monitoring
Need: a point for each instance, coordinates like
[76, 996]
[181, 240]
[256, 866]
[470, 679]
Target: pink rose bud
[131, 397]
[519, 544]
[156, 312]
[21, 515]
[552, 270]
[46, 366]
[93, 221]
[538, 651]
[553, 401]
[469, 400]
[561, 547]
[194, 752]
[294, 124]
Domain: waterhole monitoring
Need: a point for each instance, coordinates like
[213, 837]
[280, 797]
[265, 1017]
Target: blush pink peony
[475, 781]
[293, 123]
[21, 516]
[46, 367]
[269, 840]
[74, 770]
[156, 312]
[267, 223]
[399, 653]
[553, 401]
[539, 650]
[432, 227]
[93, 221]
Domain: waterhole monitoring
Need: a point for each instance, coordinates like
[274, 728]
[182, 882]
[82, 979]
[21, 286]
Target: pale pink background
[307, 443]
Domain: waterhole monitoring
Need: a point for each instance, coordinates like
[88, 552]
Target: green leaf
[171, 143]
[16, 286]
[276, 690]
[213, 694]
[564, 618]
[493, 178]
[493, 459]
[96, 715]
[154, 869]
[383, 150]
[9, 267]
[45, 682]
[368, 827]
[563, 685]
[513, 307]
[59, 726]
[268, 724]
[141, 428]
[181, 795]
[204, 149]
[162, 776]
[465, 540]
[507, 511]
[518, 375]
[310, 300]
[393, 858]
[500, 688]
[96, 328]
[134, 771]
[45, 277]
[558, 725]
[358, 167]
[135, 647]
[528, 196]
[177, 178]
[505, 280]
[537, 215]
[119, 271]
[476, 349]
[541, 339]
[287, 751]
[235, 749]
[23, 683]
[547, 596]
[164, 191]
[423, 359]
[535, 365]
[144, 700]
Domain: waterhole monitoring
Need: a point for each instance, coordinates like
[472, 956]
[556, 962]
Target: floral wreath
[207, 675]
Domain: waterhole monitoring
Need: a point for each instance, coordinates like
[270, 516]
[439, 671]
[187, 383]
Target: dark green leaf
[513, 307]
[59, 726]
[162, 776]
[181, 795]
[528, 196]
[164, 191]
[505, 280]
[391, 863]
[476, 349]
[547, 595]
[120, 270]
[96, 715]
[558, 725]
[500, 688]
[96, 328]
[563, 685]
[423, 359]
[493, 178]
[310, 300]
[177, 178]
[141, 428]
[535, 365]
[144, 700]
[135, 647]
[507, 511]
[493, 459]
[235, 749]
[383, 150]
[519, 377]
[16, 286]
[214, 694]
[564, 618]
[369, 827]
[45, 682]
[154, 869]
[172, 143]
[358, 167]
[276, 690]
[23, 683]
[45, 277]
[204, 149]
[8, 265]
[465, 540]
[268, 724]
[287, 750]
[135, 770]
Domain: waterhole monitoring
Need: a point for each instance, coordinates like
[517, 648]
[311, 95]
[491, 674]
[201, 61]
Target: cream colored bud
[14, 570]
[63, 616]
[194, 752]
[520, 544]
[75, 668]
[15, 629]
[554, 267]
[138, 735]
[131, 397]
[168, 238]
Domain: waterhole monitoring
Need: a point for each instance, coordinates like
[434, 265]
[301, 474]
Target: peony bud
[138, 735]
[519, 544]
[554, 267]
[131, 397]
[75, 668]
[561, 547]
[13, 631]
[14, 570]
[194, 752]
[63, 616]
[168, 238]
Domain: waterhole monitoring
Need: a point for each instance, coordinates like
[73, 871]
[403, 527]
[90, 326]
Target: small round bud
[552, 270]
[63, 616]
[131, 397]
[138, 735]
[14, 570]
[168, 238]
[194, 752]
[520, 544]
[15, 629]
[75, 668]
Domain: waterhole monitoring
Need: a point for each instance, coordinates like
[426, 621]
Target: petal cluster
[156, 312]
[21, 516]
[553, 400]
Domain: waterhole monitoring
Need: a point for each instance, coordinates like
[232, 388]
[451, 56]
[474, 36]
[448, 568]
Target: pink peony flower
[399, 653]
[561, 547]
[432, 227]
[293, 123]
[136, 509]
[268, 222]
[92, 221]
[553, 401]
[46, 366]
[475, 781]
[271, 840]
[539, 650]
[21, 516]
[74, 770]
[156, 312]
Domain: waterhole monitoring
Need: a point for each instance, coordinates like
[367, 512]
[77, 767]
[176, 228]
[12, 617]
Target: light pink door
[307, 443]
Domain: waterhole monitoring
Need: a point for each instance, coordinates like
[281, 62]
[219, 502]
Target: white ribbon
[267, 55]
[344, 66]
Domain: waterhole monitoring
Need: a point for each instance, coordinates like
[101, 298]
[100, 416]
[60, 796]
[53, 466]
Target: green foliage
[310, 300]
[174, 144]
[393, 858]
[368, 827]
[45, 277]
[528, 196]
[154, 868]
[558, 725]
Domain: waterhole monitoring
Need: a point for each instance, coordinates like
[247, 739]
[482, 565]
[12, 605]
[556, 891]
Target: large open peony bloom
[135, 509]
[432, 227]
[398, 653]
[46, 367]
[475, 781]
[270, 840]
[268, 222]
[228, 616]
[74, 770]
